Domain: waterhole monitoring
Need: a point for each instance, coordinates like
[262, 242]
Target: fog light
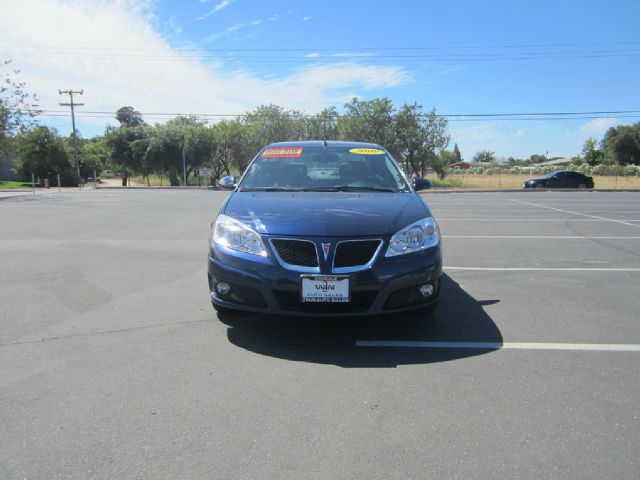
[426, 290]
[223, 288]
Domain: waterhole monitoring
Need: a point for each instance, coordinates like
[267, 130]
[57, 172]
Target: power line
[345, 52]
[344, 58]
[341, 49]
[564, 115]
[446, 54]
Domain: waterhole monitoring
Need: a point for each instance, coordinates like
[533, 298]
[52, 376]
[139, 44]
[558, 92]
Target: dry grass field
[464, 181]
[484, 181]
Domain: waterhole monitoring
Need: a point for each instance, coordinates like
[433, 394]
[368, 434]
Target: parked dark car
[564, 179]
[324, 228]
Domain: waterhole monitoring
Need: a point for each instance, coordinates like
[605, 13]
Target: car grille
[290, 300]
[353, 253]
[296, 252]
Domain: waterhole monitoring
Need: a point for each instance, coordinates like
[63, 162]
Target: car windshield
[348, 168]
[550, 174]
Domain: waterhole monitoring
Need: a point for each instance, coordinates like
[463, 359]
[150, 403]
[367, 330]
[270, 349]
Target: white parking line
[629, 203]
[485, 210]
[540, 269]
[468, 211]
[573, 212]
[541, 237]
[440, 219]
[590, 347]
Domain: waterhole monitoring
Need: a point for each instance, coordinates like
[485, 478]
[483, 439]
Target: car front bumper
[262, 285]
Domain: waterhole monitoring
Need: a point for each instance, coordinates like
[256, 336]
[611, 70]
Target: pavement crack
[105, 332]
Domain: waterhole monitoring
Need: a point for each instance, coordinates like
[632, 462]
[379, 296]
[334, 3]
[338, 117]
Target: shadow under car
[459, 318]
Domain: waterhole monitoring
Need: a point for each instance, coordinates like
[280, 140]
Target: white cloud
[234, 28]
[472, 137]
[339, 76]
[500, 137]
[123, 60]
[216, 8]
[306, 19]
[173, 26]
[598, 126]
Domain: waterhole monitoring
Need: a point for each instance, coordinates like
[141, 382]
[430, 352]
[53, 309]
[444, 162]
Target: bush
[68, 178]
[631, 170]
[606, 169]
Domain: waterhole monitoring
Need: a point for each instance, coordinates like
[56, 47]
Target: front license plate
[325, 288]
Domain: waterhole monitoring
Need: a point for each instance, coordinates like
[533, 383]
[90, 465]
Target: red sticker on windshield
[290, 152]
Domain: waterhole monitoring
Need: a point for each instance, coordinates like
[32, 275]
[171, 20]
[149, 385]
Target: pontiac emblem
[325, 250]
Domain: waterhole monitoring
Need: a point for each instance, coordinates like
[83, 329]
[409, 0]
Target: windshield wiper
[347, 188]
[271, 189]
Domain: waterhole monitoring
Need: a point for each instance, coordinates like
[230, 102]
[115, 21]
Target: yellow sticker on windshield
[367, 151]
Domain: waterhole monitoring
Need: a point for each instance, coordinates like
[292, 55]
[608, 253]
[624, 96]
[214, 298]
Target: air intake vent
[355, 253]
[301, 253]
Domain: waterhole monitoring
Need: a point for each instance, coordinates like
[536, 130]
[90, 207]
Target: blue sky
[229, 56]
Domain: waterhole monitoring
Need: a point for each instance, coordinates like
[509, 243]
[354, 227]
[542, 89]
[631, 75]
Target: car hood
[326, 213]
[535, 179]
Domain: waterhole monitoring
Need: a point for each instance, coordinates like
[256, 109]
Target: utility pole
[73, 122]
[184, 168]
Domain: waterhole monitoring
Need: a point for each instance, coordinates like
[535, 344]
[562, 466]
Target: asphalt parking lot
[114, 365]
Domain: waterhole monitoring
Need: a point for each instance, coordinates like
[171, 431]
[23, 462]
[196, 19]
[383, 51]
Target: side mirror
[228, 182]
[420, 183]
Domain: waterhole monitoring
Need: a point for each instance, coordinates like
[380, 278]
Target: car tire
[539, 185]
[582, 185]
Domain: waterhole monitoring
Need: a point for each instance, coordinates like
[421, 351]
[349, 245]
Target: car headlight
[235, 235]
[418, 236]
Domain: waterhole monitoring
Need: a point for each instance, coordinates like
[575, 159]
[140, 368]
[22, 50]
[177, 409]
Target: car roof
[321, 143]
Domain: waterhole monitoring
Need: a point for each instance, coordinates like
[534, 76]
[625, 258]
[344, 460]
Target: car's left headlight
[235, 235]
[418, 236]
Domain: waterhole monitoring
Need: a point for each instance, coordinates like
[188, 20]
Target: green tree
[623, 144]
[536, 158]
[140, 150]
[120, 141]
[437, 139]
[442, 162]
[165, 149]
[129, 117]
[128, 142]
[43, 152]
[409, 145]
[323, 126]
[484, 156]
[419, 138]
[591, 153]
[368, 121]
[271, 123]
[182, 143]
[457, 155]
[17, 107]
[234, 149]
[95, 155]
[199, 146]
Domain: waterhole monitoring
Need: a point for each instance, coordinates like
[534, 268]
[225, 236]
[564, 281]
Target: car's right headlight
[418, 236]
[235, 235]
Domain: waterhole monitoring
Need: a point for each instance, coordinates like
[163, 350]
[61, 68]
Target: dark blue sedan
[324, 228]
[564, 179]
